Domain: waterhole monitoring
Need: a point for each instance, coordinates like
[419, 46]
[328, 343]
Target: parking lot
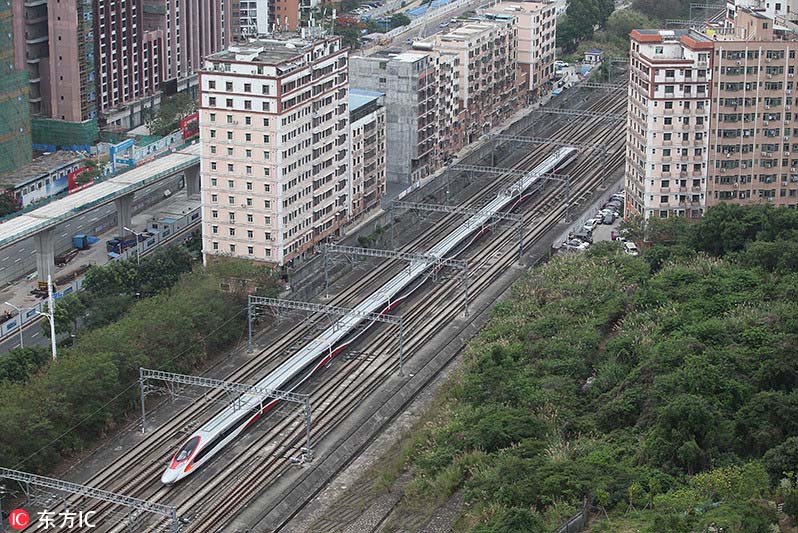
[601, 227]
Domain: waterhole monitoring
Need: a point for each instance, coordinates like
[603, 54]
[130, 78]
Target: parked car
[575, 245]
[630, 248]
[584, 236]
[590, 225]
[609, 218]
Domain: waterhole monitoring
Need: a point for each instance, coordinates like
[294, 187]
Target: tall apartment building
[487, 53]
[127, 61]
[411, 84]
[442, 93]
[72, 61]
[32, 51]
[15, 140]
[274, 129]
[668, 123]
[367, 153]
[710, 116]
[192, 30]
[537, 33]
[754, 138]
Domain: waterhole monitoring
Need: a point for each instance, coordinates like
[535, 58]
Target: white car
[590, 225]
[630, 248]
[575, 245]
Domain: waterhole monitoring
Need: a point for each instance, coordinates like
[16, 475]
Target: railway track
[352, 379]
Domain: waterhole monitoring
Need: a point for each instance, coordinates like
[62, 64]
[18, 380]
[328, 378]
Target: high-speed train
[215, 434]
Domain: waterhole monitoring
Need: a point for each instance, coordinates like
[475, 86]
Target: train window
[187, 449]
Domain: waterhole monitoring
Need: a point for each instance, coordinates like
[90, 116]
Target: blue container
[81, 242]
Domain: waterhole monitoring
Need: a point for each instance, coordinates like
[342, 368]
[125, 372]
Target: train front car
[181, 463]
[214, 435]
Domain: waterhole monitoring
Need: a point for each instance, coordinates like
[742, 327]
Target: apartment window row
[250, 186]
[231, 216]
[267, 252]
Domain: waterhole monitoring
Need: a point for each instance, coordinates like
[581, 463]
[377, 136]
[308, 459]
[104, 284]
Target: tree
[20, 363]
[8, 203]
[68, 310]
[781, 459]
[623, 21]
[399, 19]
[167, 118]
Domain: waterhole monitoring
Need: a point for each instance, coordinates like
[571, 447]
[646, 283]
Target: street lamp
[138, 243]
[19, 315]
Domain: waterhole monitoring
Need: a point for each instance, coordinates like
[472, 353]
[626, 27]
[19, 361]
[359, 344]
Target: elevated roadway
[120, 189]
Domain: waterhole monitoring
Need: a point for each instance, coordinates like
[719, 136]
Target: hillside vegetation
[663, 388]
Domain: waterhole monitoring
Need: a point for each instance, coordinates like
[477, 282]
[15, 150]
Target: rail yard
[261, 465]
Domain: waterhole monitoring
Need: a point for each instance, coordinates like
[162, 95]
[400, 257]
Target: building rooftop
[519, 7]
[39, 167]
[279, 48]
[361, 97]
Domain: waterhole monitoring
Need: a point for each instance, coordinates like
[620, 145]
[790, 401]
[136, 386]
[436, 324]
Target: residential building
[250, 18]
[537, 33]
[191, 30]
[367, 142]
[442, 93]
[668, 123]
[274, 129]
[32, 51]
[754, 139]
[72, 69]
[487, 53]
[15, 140]
[410, 82]
[710, 116]
[127, 62]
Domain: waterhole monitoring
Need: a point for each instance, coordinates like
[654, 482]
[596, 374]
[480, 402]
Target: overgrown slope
[668, 397]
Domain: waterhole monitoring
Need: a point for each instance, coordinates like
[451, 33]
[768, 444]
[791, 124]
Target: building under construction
[15, 138]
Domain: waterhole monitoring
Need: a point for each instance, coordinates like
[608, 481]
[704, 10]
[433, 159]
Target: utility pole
[138, 243]
[50, 314]
[51, 305]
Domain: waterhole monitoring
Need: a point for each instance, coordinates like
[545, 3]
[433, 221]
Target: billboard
[190, 125]
[74, 181]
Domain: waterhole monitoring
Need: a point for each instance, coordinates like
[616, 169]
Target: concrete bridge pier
[192, 177]
[124, 216]
[45, 254]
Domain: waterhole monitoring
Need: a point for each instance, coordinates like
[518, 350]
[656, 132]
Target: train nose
[170, 476]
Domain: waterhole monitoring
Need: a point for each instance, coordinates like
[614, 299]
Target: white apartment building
[274, 129]
[367, 141]
[668, 123]
[537, 33]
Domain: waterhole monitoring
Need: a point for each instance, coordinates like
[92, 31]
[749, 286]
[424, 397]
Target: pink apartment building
[275, 139]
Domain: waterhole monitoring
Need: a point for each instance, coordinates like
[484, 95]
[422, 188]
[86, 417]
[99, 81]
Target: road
[19, 260]
[31, 336]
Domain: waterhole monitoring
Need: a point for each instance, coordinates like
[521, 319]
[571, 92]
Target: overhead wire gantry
[497, 217]
[230, 387]
[138, 506]
[434, 261]
[294, 305]
[598, 147]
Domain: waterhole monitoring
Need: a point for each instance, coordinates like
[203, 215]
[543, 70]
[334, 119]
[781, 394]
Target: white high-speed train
[215, 434]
